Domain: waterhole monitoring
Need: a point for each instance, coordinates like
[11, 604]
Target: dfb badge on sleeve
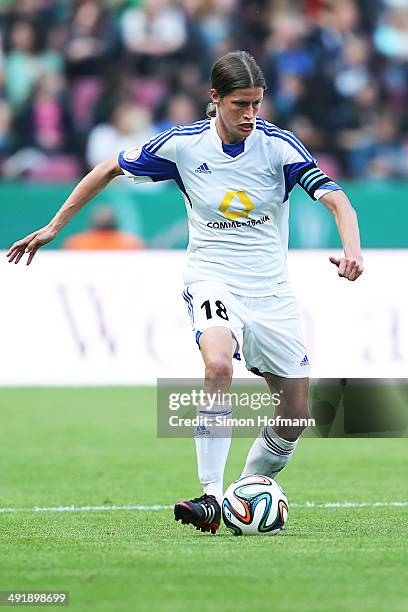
[132, 155]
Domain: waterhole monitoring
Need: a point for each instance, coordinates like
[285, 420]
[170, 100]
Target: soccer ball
[255, 505]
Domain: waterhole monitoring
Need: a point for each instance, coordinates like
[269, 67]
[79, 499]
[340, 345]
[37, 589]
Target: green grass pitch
[92, 447]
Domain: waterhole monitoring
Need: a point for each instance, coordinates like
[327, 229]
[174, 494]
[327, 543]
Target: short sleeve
[153, 161]
[300, 167]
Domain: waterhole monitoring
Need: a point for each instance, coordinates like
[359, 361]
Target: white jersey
[236, 196]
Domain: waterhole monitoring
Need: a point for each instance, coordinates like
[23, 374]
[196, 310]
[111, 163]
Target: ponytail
[211, 109]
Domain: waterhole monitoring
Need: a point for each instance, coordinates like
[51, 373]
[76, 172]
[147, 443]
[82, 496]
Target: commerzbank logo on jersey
[236, 206]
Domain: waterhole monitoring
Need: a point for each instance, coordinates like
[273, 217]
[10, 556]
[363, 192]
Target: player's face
[236, 112]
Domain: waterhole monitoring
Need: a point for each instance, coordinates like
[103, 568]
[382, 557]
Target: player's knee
[218, 368]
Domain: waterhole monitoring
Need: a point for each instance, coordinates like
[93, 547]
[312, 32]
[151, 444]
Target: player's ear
[214, 96]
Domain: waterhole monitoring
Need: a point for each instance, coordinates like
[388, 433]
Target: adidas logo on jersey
[203, 169]
[304, 361]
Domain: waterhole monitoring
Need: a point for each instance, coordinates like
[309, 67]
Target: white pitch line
[308, 504]
[350, 504]
[83, 508]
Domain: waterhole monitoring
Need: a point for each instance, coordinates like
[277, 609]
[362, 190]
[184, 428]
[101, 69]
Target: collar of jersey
[219, 142]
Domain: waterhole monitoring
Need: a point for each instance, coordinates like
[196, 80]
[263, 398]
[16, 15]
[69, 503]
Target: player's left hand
[348, 267]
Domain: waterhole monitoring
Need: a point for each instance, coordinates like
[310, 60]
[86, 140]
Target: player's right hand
[30, 244]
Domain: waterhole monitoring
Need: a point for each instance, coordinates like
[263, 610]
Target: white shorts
[267, 329]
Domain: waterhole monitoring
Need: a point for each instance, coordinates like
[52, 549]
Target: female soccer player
[236, 172]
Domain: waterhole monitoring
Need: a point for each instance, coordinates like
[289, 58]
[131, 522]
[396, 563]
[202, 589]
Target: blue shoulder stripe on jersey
[300, 144]
[269, 127]
[154, 144]
[279, 135]
[158, 145]
[293, 142]
[195, 125]
[289, 137]
[155, 167]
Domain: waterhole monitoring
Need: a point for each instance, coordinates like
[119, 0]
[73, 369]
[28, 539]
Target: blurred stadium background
[81, 80]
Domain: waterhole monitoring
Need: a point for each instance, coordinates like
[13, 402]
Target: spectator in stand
[311, 136]
[391, 34]
[91, 40]
[289, 98]
[289, 66]
[354, 69]
[335, 23]
[189, 80]
[129, 124]
[44, 123]
[289, 52]
[40, 13]
[5, 129]
[22, 63]
[216, 25]
[389, 159]
[1, 63]
[104, 234]
[178, 109]
[195, 49]
[25, 62]
[356, 140]
[251, 31]
[52, 55]
[154, 35]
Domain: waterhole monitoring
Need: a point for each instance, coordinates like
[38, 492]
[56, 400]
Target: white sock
[213, 442]
[269, 454]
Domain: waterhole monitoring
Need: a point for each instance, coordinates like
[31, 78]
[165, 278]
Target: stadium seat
[56, 168]
[85, 92]
[148, 91]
